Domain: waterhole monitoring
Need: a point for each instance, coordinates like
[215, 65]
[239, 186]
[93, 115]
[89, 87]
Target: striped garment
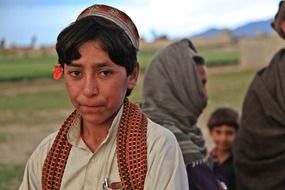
[173, 97]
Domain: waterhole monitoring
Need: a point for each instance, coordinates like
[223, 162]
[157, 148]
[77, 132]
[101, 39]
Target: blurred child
[223, 125]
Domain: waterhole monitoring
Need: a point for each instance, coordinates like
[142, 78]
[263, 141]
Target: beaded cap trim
[116, 16]
[131, 151]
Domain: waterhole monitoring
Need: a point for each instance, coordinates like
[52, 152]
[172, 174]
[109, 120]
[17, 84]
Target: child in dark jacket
[223, 125]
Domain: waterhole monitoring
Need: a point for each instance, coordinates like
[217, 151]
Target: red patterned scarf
[131, 151]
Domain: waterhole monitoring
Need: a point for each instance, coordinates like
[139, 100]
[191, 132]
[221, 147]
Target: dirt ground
[21, 141]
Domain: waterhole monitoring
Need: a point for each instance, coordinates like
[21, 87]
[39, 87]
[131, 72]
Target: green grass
[3, 138]
[31, 68]
[15, 68]
[8, 174]
[29, 103]
[39, 100]
[145, 56]
[26, 68]
[218, 58]
[213, 57]
[228, 88]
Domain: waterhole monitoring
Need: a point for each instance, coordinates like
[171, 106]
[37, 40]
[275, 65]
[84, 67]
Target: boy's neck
[222, 156]
[93, 136]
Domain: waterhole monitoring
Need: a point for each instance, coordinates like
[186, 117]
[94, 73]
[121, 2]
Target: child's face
[96, 85]
[223, 137]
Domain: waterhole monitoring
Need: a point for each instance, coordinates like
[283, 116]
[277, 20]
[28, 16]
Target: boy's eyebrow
[74, 65]
[101, 64]
[96, 65]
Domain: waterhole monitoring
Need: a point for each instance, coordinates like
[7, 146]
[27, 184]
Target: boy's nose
[90, 87]
[222, 137]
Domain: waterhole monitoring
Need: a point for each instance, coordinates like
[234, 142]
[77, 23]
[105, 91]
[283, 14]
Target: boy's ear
[132, 78]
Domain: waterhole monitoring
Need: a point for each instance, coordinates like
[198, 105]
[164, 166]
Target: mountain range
[248, 29]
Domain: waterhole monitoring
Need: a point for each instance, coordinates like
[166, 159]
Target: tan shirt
[86, 170]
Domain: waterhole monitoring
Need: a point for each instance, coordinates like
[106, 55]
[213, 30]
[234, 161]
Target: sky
[20, 20]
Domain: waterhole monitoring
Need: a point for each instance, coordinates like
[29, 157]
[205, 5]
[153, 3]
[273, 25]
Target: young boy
[107, 142]
[223, 125]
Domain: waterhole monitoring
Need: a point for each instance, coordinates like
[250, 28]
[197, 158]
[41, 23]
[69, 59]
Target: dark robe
[259, 150]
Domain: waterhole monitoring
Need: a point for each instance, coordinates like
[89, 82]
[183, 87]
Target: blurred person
[259, 151]
[278, 23]
[174, 95]
[107, 142]
[223, 126]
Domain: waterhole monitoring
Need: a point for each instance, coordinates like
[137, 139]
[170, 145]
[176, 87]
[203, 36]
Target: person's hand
[279, 20]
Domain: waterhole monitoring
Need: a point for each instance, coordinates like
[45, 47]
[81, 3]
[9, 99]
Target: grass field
[34, 107]
[220, 58]
[27, 68]
[39, 67]
[9, 176]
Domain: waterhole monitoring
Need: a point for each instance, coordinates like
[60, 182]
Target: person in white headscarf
[174, 95]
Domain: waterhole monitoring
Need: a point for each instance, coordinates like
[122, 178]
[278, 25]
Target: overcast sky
[22, 19]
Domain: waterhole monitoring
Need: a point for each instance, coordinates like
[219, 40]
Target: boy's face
[96, 85]
[223, 137]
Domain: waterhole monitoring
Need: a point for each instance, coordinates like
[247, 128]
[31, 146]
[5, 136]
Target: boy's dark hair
[113, 39]
[224, 116]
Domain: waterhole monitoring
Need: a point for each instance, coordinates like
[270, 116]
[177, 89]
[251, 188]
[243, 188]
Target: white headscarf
[173, 96]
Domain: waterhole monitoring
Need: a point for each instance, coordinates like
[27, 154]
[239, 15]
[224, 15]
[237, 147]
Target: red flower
[57, 72]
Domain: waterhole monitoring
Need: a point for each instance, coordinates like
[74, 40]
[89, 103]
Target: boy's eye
[105, 73]
[230, 132]
[75, 73]
[217, 131]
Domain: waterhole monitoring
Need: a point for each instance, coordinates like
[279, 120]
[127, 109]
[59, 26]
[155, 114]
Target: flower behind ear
[57, 72]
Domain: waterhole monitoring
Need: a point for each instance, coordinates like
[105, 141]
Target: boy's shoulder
[158, 133]
[45, 145]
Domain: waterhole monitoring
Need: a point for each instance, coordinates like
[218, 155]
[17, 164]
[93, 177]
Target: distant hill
[248, 29]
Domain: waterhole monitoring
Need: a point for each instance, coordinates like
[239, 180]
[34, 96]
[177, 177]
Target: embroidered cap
[116, 16]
